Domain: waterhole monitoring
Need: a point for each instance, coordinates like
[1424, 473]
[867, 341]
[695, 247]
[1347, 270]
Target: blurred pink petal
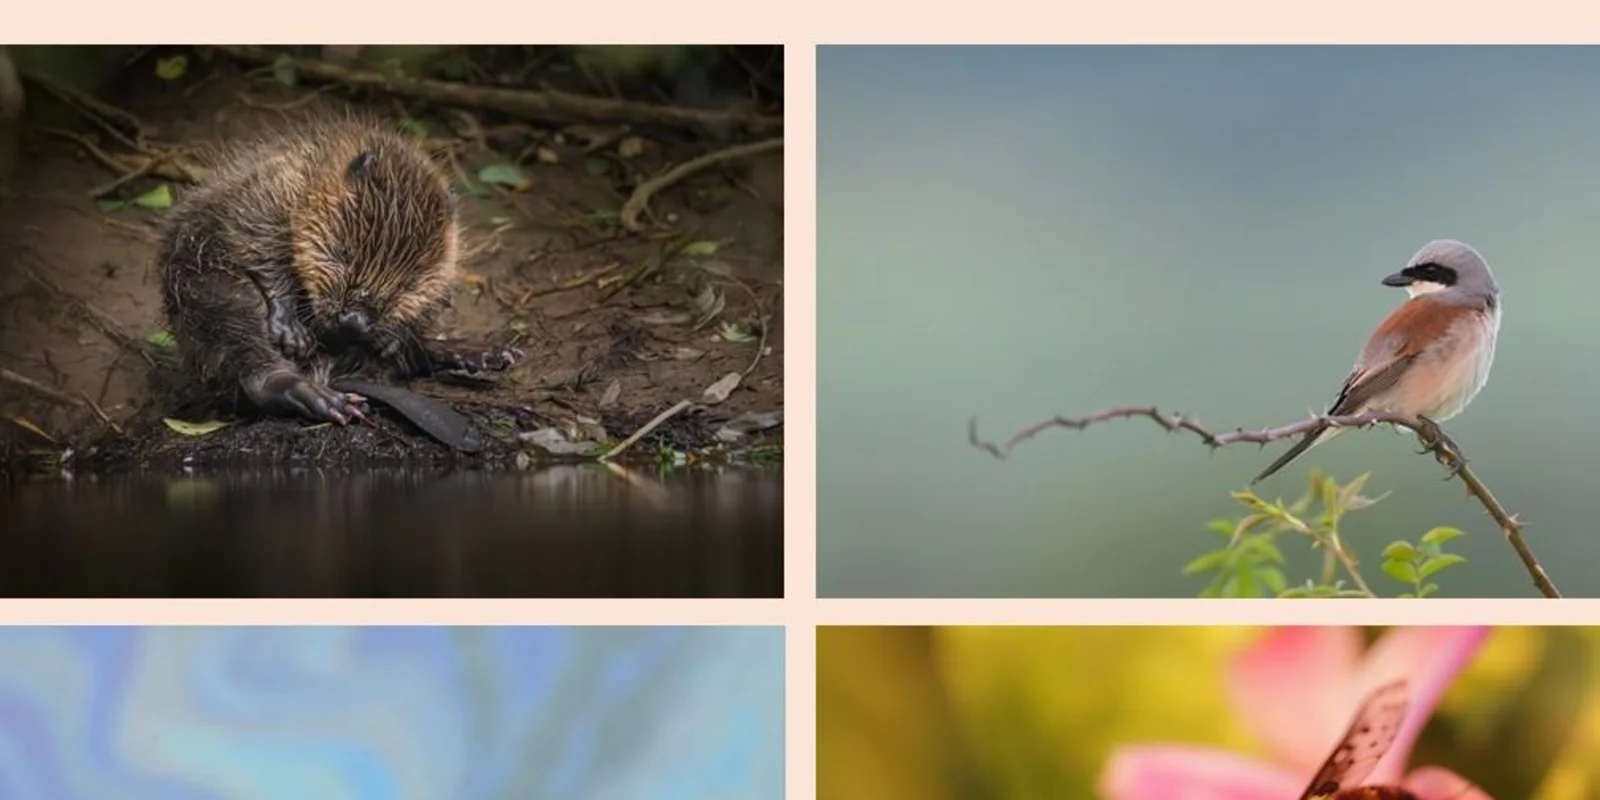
[1292, 691]
[1296, 690]
[1438, 783]
[1181, 772]
[1429, 659]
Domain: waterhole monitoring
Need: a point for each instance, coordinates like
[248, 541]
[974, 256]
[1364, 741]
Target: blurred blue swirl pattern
[391, 713]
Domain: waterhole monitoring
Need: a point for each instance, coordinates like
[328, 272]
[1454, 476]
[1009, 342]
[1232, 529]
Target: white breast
[1466, 377]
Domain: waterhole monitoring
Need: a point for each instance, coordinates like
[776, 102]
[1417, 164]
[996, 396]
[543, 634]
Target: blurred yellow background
[1015, 713]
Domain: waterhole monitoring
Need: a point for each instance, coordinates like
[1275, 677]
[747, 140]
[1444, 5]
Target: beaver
[321, 250]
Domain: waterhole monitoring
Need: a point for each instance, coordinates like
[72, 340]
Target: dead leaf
[719, 391]
[685, 353]
[546, 156]
[554, 442]
[709, 303]
[594, 137]
[592, 430]
[747, 423]
[613, 392]
[664, 317]
[717, 267]
[631, 147]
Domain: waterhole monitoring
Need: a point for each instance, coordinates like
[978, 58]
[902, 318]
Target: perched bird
[1431, 356]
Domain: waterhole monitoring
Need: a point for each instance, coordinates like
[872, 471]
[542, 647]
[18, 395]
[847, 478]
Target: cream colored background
[800, 25]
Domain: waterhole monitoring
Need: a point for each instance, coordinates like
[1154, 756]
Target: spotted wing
[1371, 732]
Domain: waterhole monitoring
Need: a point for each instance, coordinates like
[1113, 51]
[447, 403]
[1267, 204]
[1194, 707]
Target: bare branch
[1429, 435]
[547, 105]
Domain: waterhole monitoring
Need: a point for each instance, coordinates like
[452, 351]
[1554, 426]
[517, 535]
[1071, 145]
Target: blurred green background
[1017, 232]
[1016, 713]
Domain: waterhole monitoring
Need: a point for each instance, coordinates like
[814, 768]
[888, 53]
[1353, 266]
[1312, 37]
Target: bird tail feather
[1307, 442]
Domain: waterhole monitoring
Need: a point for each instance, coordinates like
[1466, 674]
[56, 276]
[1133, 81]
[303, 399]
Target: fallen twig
[652, 263]
[163, 163]
[761, 319]
[105, 382]
[577, 282]
[548, 105]
[148, 158]
[287, 105]
[648, 427]
[642, 193]
[1429, 435]
[47, 392]
[122, 125]
[137, 231]
[57, 396]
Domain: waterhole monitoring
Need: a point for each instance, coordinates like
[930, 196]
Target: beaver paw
[491, 359]
[391, 350]
[292, 338]
[500, 359]
[295, 394]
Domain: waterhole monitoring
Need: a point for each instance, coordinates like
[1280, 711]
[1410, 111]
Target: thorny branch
[1429, 435]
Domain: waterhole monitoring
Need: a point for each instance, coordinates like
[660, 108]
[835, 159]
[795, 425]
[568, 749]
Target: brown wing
[1389, 354]
[1371, 732]
[1393, 346]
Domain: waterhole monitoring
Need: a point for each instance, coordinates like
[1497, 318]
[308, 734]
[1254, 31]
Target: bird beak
[1397, 279]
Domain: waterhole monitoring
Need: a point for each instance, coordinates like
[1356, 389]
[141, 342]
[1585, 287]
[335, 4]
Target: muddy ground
[81, 320]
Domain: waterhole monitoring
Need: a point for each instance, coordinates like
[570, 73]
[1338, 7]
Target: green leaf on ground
[732, 333]
[157, 199]
[283, 70]
[171, 69]
[602, 217]
[510, 176]
[162, 340]
[195, 428]
[700, 249]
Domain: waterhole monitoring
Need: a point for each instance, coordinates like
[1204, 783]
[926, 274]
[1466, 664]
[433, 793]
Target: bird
[1431, 356]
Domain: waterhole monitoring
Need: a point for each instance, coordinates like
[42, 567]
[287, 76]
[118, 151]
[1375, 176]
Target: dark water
[569, 531]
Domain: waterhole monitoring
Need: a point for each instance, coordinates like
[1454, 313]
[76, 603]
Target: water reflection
[563, 531]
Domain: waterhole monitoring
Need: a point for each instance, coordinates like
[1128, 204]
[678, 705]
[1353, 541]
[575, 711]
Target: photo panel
[378, 321]
[391, 713]
[1107, 298]
[1208, 713]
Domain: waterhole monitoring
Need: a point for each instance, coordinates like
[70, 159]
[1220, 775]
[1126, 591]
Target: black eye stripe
[1431, 272]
